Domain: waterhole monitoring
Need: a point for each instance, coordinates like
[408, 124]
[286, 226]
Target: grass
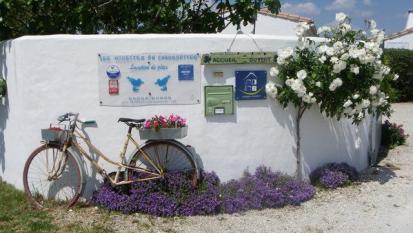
[16, 215]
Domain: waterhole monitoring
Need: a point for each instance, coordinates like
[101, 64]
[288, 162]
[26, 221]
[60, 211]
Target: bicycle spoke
[53, 175]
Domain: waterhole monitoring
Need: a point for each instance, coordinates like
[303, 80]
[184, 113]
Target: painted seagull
[136, 83]
[163, 82]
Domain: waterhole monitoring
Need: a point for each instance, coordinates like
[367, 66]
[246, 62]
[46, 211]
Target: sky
[390, 15]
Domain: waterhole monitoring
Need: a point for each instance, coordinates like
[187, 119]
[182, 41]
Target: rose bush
[342, 73]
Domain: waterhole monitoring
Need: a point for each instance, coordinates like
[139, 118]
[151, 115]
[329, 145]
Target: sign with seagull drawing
[149, 79]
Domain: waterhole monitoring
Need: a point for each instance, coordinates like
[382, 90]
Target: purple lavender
[174, 194]
[334, 175]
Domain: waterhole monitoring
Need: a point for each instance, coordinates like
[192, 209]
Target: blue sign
[250, 85]
[113, 71]
[185, 72]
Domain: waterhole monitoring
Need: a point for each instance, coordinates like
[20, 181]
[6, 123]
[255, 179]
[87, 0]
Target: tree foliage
[39, 17]
[401, 62]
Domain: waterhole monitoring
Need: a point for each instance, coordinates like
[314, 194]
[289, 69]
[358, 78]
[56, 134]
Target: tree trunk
[299, 171]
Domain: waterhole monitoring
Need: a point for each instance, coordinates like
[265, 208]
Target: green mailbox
[219, 100]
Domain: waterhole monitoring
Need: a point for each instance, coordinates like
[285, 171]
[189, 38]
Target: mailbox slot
[219, 100]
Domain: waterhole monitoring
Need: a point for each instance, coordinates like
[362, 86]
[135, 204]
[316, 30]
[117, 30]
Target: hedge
[401, 62]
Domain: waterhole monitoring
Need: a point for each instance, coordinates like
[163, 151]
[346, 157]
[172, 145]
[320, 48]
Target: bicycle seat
[129, 120]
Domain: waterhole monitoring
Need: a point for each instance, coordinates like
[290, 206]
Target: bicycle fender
[179, 144]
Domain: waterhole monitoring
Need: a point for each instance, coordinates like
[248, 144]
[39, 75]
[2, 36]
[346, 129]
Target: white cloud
[305, 8]
[341, 5]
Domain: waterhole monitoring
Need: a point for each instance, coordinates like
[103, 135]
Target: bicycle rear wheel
[50, 174]
[162, 157]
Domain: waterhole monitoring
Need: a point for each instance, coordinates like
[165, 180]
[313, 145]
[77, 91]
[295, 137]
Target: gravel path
[381, 202]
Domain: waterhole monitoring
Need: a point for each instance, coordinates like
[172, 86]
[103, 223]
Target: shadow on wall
[328, 140]
[4, 102]
[93, 179]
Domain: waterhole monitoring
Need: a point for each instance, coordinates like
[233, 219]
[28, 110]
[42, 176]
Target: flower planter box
[163, 133]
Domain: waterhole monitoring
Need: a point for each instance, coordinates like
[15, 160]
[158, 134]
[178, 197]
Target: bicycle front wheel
[162, 157]
[50, 174]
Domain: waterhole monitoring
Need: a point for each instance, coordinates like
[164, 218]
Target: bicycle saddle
[129, 120]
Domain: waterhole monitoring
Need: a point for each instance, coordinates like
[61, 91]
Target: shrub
[401, 62]
[333, 175]
[174, 194]
[392, 135]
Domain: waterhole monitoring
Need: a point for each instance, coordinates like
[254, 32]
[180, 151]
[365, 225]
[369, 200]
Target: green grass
[16, 215]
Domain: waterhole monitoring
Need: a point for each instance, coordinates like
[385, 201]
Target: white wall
[403, 42]
[50, 75]
[266, 25]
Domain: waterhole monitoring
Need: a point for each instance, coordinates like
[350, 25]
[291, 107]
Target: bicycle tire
[70, 178]
[170, 155]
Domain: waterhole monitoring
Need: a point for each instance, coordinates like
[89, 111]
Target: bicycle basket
[54, 134]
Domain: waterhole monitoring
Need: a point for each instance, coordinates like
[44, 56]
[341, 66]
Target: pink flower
[173, 118]
[155, 124]
[147, 124]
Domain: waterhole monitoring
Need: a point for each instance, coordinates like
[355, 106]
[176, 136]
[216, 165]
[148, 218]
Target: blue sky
[390, 15]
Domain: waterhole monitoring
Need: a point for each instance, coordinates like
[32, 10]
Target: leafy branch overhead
[40, 17]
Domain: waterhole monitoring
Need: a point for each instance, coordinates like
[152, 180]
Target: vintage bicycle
[54, 171]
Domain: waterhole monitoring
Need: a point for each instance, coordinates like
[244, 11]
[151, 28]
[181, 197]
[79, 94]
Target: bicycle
[54, 170]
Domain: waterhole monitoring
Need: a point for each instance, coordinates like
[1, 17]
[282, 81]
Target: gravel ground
[381, 202]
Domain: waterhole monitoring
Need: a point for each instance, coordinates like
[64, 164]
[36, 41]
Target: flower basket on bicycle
[163, 133]
[160, 127]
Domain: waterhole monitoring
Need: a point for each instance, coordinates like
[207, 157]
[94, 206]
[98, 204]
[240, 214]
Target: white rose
[356, 96]
[355, 69]
[334, 59]
[306, 99]
[339, 66]
[322, 59]
[338, 81]
[280, 60]
[302, 74]
[271, 89]
[347, 104]
[274, 72]
[341, 17]
[322, 49]
[333, 86]
[338, 46]
[396, 76]
[318, 84]
[330, 51]
[289, 82]
[345, 27]
[373, 90]
[365, 103]
[345, 57]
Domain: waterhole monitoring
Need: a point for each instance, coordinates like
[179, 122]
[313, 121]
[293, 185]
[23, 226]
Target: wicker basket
[163, 133]
[54, 135]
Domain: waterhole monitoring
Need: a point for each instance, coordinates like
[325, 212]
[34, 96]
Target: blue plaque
[185, 72]
[250, 85]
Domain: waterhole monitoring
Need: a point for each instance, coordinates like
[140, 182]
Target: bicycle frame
[75, 134]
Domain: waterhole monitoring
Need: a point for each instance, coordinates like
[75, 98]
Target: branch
[105, 3]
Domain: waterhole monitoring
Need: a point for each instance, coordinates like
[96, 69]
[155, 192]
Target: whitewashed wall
[403, 42]
[50, 75]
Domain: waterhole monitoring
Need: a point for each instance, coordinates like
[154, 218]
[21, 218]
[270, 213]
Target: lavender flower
[334, 175]
[174, 194]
